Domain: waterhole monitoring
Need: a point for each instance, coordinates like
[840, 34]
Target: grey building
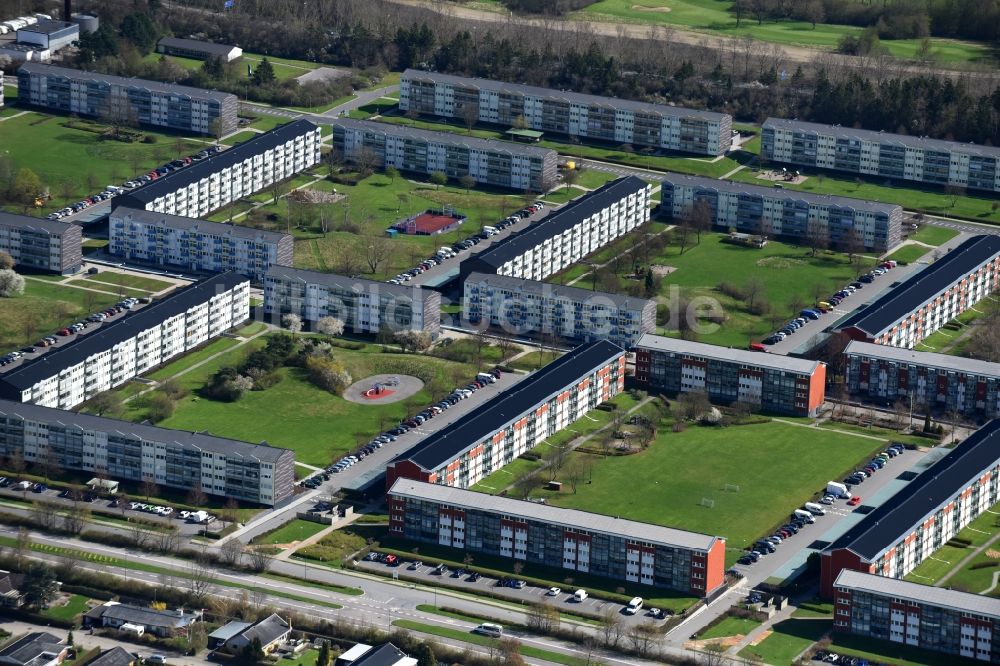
[161, 623]
[497, 163]
[782, 213]
[137, 452]
[568, 113]
[45, 245]
[569, 234]
[770, 382]
[198, 49]
[871, 153]
[271, 631]
[141, 101]
[52, 35]
[244, 169]
[365, 306]
[932, 618]
[186, 242]
[590, 543]
[34, 649]
[924, 380]
[529, 307]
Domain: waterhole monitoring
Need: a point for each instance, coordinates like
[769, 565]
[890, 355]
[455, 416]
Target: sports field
[753, 476]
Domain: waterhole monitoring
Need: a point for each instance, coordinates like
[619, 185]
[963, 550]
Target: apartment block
[909, 312]
[44, 245]
[902, 532]
[781, 213]
[225, 177]
[527, 307]
[365, 306]
[197, 49]
[115, 353]
[767, 382]
[881, 154]
[185, 242]
[924, 380]
[932, 618]
[137, 452]
[567, 113]
[543, 403]
[497, 163]
[569, 234]
[150, 103]
[589, 543]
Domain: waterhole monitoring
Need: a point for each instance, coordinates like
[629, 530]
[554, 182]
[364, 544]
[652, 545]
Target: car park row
[482, 379]
[823, 307]
[112, 191]
[446, 253]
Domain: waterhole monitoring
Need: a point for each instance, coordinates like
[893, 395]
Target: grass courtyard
[974, 576]
[666, 483]
[292, 531]
[789, 639]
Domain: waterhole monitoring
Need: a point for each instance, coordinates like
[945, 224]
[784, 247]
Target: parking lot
[62, 337]
[563, 600]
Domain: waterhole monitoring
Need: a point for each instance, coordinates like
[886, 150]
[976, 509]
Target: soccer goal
[732, 487]
[708, 503]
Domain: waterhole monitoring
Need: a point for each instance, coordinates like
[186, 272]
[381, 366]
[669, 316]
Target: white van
[814, 509]
[489, 629]
[804, 515]
[579, 595]
[634, 606]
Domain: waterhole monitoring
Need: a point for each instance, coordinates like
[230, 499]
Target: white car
[554, 591]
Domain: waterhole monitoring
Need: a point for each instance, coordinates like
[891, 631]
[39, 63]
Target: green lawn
[240, 137]
[476, 639]
[713, 16]
[284, 68]
[909, 253]
[969, 206]
[193, 358]
[931, 235]
[507, 475]
[295, 530]
[534, 360]
[947, 557]
[306, 658]
[814, 609]
[76, 605]
[789, 639]
[730, 626]
[265, 122]
[118, 290]
[43, 309]
[337, 545]
[191, 64]
[317, 425]
[680, 469]
[75, 162]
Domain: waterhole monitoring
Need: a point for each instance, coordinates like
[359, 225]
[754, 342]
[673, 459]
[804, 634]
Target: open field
[43, 309]
[927, 200]
[336, 546]
[317, 425]
[671, 477]
[909, 253]
[932, 235]
[284, 68]
[128, 280]
[713, 16]
[789, 639]
[75, 162]
[730, 626]
[292, 531]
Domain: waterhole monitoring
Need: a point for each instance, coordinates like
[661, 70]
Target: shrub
[149, 138]
[159, 407]
[327, 373]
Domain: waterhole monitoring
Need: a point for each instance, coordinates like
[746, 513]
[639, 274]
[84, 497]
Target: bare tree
[366, 161]
[149, 488]
[76, 519]
[259, 559]
[816, 238]
[199, 580]
[231, 552]
[376, 250]
[700, 218]
[611, 627]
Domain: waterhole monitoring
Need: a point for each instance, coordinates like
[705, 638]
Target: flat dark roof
[446, 138]
[887, 524]
[46, 27]
[386, 654]
[193, 224]
[111, 80]
[196, 45]
[450, 442]
[900, 301]
[106, 337]
[176, 180]
[556, 223]
[53, 227]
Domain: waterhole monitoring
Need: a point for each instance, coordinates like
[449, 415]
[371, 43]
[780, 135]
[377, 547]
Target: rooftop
[963, 602]
[576, 294]
[268, 630]
[196, 225]
[734, 187]
[900, 301]
[554, 515]
[343, 283]
[116, 656]
[923, 496]
[46, 27]
[558, 221]
[920, 142]
[446, 444]
[448, 138]
[128, 326]
[566, 95]
[147, 617]
[920, 358]
[111, 80]
[34, 223]
[386, 654]
[198, 441]
[228, 630]
[731, 354]
[175, 180]
[196, 45]
[30, 649]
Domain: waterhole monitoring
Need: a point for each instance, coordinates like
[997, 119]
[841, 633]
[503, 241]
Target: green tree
[324, 657]
[438, 178]
[254, 653]
[393, 173]
[139, 29]
[27, 186]
[650, 285]
[424, 654]
[264, 74]
[39, 587]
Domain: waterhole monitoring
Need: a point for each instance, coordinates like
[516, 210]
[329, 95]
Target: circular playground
[382, 389]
